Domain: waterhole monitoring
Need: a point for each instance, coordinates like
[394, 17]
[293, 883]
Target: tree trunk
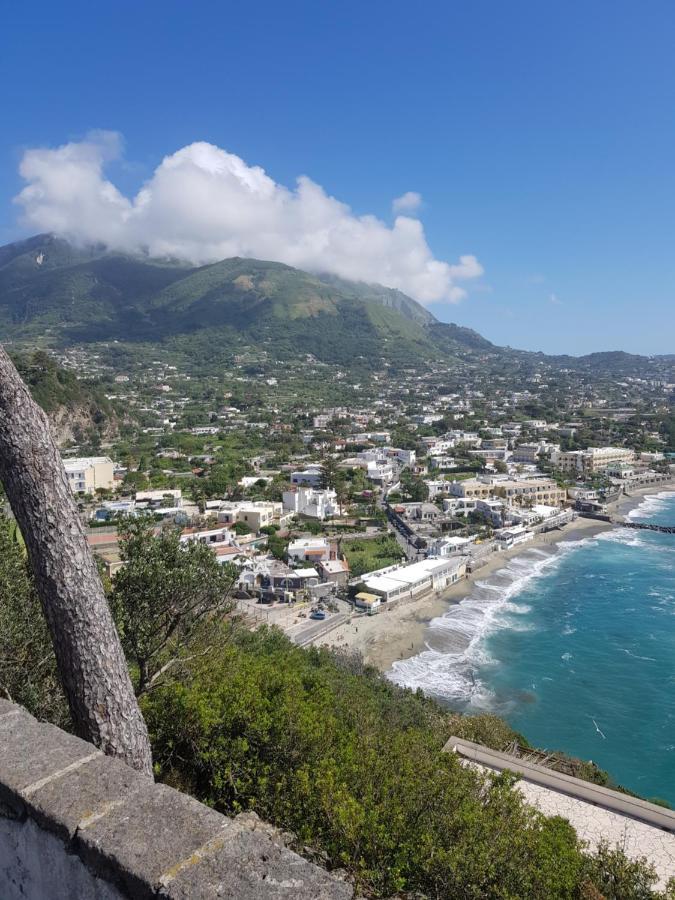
[89, 656]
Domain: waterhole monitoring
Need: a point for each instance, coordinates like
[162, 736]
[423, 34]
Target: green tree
[28, 673]
[163, 595]
[329, 473]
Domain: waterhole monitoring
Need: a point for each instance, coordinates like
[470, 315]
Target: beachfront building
[87, 474]
[591, 461]
[450, 546]
[406, 582]
[536, 490]
[471, 487]
[511, 537]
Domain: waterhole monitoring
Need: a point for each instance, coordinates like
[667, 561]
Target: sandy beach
[398, 632]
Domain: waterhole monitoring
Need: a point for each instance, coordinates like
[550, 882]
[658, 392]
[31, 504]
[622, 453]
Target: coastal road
[309, 631]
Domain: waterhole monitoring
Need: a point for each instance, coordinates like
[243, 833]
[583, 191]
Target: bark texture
[89, 656]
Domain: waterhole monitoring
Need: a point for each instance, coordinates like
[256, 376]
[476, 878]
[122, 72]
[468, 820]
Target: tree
[28, 673]
[329, 472]
[163, 594]
[91, 664]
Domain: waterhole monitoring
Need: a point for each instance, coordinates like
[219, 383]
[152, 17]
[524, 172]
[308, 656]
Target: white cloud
[203, 204]
[554, 300]
[410, 202]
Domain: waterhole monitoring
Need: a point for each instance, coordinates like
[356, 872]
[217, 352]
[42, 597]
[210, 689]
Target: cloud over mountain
[204, 204]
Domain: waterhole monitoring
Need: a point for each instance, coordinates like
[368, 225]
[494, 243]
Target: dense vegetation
[58, 294]
[352, 767]
[314, 742]
[368, 554]
[55, 388]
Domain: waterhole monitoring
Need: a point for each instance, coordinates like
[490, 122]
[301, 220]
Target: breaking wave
[455, 652]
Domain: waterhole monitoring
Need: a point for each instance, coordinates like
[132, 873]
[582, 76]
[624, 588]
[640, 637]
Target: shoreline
[400, 631]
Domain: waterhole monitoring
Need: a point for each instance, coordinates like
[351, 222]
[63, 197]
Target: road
[314, 628]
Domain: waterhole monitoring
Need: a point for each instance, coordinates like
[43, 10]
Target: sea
[574, 645]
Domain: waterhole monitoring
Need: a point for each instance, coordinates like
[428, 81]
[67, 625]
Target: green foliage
[28, 673]
[367, 555]
[163, 595]
[55, 388]
[331, 751]
[277, 546]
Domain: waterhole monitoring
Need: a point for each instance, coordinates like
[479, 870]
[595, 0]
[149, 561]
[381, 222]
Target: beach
[399, 632]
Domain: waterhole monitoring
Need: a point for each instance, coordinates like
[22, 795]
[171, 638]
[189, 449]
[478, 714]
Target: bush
[352, 766]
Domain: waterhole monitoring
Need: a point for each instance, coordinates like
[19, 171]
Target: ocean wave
[651, 505]
[635, 655]
[447, 669]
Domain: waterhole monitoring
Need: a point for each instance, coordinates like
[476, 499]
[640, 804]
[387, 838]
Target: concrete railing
[615, 801]
[78, 825]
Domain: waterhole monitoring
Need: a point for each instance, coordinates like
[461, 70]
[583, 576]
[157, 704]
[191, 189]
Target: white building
[595, 459]
[310, 476]
[256, 514]
[406, 582]
[310, 502]
[86, 474]
[450, 546]
[314, 550]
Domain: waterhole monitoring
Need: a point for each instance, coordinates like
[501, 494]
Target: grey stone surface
[31, 751]
[82, 794]
[35, 866]
[7, 707]
[249, 865]
[154, 830]
[77, 825]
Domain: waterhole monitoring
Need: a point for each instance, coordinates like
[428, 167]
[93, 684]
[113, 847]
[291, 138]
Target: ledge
[595, 794]
[136, 838]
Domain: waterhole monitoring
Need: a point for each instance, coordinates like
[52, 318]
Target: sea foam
[447, 669]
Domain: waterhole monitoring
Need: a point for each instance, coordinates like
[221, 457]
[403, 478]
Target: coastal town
[329, 513]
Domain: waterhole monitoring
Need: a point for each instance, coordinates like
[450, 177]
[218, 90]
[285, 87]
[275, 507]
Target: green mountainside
[77, 409]
[54, 294]
[58, 294]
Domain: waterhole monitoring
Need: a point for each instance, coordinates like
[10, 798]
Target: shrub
[351, 765]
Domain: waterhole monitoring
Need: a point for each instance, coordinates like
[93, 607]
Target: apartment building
[593, 460]
[542, 490]
[87, 474]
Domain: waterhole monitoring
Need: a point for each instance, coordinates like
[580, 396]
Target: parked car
[318, 614]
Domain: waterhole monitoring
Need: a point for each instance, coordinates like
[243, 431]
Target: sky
[510, 165]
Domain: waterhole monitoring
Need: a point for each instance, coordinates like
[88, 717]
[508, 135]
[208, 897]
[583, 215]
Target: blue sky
[541, 136]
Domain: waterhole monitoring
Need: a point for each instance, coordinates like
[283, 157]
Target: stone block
[149, 834]
[87, 792]
[7, 707]
[248, 865]
[32, 751]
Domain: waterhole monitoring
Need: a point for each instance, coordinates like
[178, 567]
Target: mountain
[55, 294]
[59, 294]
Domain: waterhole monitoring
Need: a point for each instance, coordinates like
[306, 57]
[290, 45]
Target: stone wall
[78, 825]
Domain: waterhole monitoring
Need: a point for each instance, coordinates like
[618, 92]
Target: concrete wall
[77, 825]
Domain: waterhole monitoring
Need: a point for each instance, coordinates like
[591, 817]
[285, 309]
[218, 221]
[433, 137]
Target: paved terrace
[597, 813]
[78, 825]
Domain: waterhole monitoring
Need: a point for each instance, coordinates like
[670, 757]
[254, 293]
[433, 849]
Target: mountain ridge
[60, 294]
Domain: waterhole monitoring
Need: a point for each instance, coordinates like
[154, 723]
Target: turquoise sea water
[575, 647]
